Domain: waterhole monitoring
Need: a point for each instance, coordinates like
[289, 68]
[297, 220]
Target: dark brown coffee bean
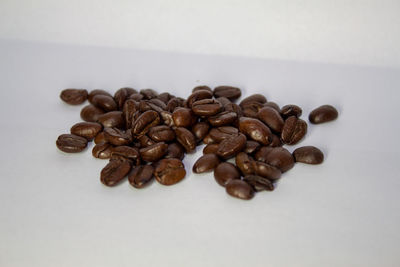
[253, 98]
[201, 87]
[71, 143]
[251, 146]
[104, 102]
[141, 175]
[198, 95]
[117, 137]
[120, 96]
[89, 130]
[148, 93]
[309, 155]
[259, 183]
[145, 141]
[173, 103]
[256, 130]
[74, 96]
[100, 138]
[244, 163]
[230, 147]
[136, 96]
[91, 113]
[266, 170]
[210, 148]
[293, 130]
[144, 122]
[239, 189]
[273, 105]
[183, 117]
[223, 118]
[271, 118]
[161, 133]
[323, 114]
[97, 92]
[291, 110]
[223, 132]
[200, 130]
[165, 97]
[205, 163]
[102, 151]
[129, 112]
[169, 171]
[145, 105]
[230, 92]
[206, 107]
[276, 141]
[234, 108]
[166, 118]
[251, 109]
[276, 156]
[114, 172]
[157, 102]
[175, 150]
[131, 153]
[224, 101]
[154, 152]
[112, 119]
[186, 139]
[225, 172]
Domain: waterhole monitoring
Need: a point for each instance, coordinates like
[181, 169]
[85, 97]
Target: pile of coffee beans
[145, 135]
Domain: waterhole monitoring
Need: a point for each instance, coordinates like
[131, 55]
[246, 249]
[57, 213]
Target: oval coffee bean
[148, 93]
[154, 152]
[266, 170]
[186, 139]
[97, 92]
[91, 113]
[145, 121]
[273, 105]
[136, 97]
[141, 175]
[129, 111]
[259, 183]
[102, 151]
[222, 118]
[201, 87]
[255, 129]
[74, 96]
[253, 98]
[100, 138]
[230, 147]
[131, 153]
[206, 107]
[230, 92]
[200, 130]
[276, 141]
[210, 148]
[323, 114]
[173, 103]
[104, 102]
[234, 108]
[223, 132]
[271, 118]
[165, 97]
[183, 117]
[224, 101]
[276, 156]
[169, 171]
[120, 96]
[293, 130]
[71, 143]
[225, 172]
[114, 172]
[198, 95]
[205, 163]
[89, 130]
[244, 163]
[309, 155]
[161, 133]
[251, 109]
[175, 150]
[112, 119]
[117, 137]
[291, 110]
[239, 189]
[145, 141]
[251, 146]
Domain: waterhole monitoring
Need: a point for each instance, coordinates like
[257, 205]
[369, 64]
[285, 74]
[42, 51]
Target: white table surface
[55, 212]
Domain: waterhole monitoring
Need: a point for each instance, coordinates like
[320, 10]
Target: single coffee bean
[71, 143]
[244, 163]
[221, 133]
[136, 96]
[225, 172]
[291, 110]
[129, 112]
[198, 95]
[234, 108]
[91, 113]
[145, 105]
[89, 130]
[278, 157]
[230, 147]
[293, 130]
[271, 118]
[250, 110]
[161, 133]
[157, 102]
[74, 96]
[104, 102]
[112, 119]
[230, 92]
[148, 93]
[117, 137]
[201, 87]
[102, 151]
[239, 189]
[97, 92]
[165, 97]
[253, 98]
[255, 129]
[100, 138]
[186, 139]
[266, 170]
[273, 105]
[114, 172]
[222, 118]
[131, 153]
[224, 101]
[141, 175]
[276, 141]
[175, 150]
[206, 107]
[144, 122]
[259, 183]
[154, 152]
[251, 146]
[166, 118]
[145, 141]
[169, 171]
[173, 103]
[210, 148]
[205, 163]
[183, 117]
[200, 130]
[120, 96]
[323, 114]
[309, 155]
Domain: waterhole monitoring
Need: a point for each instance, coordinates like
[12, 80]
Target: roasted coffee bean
[136, 96]
[266, 170]
[145, 141]
[144, 122]
[276, 141]
[112, 119]
[234, 108]
[74, 96]
[205, 163]
[259, 183]
[175, 150]
[244, 163]
[201, 87]
[186, 139]
[102, 151]
[173, 103]
[148, 93]
[309, 155]
[117, 137]
[198, 95]
[154, 152]
[100, 138]
[225, 172]
[256, 130]
[230, 92]
[206, 107]
[253, 98]
[130, 111]
[271, 118]
[250, 110]
[145, 105]
[89, 130]
[114, 172]
[97, 92]
[323, 114]
[291, 110]
[200, 130]
[161, 133]
[223, 132]
[222, 118]
[183, 117]
[71, 143]
[120, 96]
[131, 153]
[208, 139]
[169, 171]
[224, 101]
[210, 148]
[251, 146]
[293, 130]
[91, 113]
[158, 103]
[239, 189]
[230, 147]
[165, 97]
[276, 156]
[167, 119]
[273, 105]
[141, 175]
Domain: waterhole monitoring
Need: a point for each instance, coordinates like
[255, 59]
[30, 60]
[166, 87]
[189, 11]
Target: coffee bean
[145, 141]
[200, 130]
[158, 103]
[175, 150]
[293, 130]
[205, 163]
[122, 94]
[201, 87]
[225, 172]
[251, 146]
[145, 105]
[259, 183]
[141, 175]
[71, 143]
[266, 170]
[97, 92]
[100, 138]
[244, 163]
[144, 122]
[276, 141]
[74, 96]
[112, 119]
[117, 137]
[104, 102]
[309, 155]
[186, 139]
[239, 189]
[206, 107]
[91, 113]
[276, 156]
[208, 139]
[223, 118]
[198, 95]
[161, 133]
[183, 117]
[136, 96]
[154, 152]
[231, 146]
[173, 103]
[223, 132]
[255, 129]
[130, 111]
[165, 97]
[250, 110]
[169, 171]
[166, 118]
[291, 110]
[271, 118]
[114, 172]
[210, 148]
[224, 101]
[131, 153]
[230, 92]
[89, 130]
[102, 151]
[273, 105]
[253, 98]
[148, 93]
[323, 114]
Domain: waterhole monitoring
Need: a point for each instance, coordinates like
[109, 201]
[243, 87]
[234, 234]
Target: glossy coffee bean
[91, 113]
[97, 92]
[165, 97]
[88, 130]
[145, 141]
[104, 102]
[136, 96]
[102, 151]
[154, 152]
[309, 155]
[223, 132]
[169, 171]
[131, 153]
[251, 109]
[183, 117]
[276, 141]
[251, 146]
[166, 118]
[114, 172]
[224, 101]
[239, 189]
[271, 118]
[173, 103]
[222, 118]
[186, 139]
[230, 92]
[117, 137]
[71, 143]
[175, 150]
[293, 130]
[291, 110]
[225, 172]
[230, 147]
[200, 130]
[259, 183]
[255, 129]
[129, 112]
[273, 105]
[206, 107]
[276, 156]
[157, 102]
[323, 114]
[253, 98]
[266, 170]
[141, 175]
[122, 94]
[244, 163]
[74, 96]
[198, 95]
[148, 93]
[145, 105]
[100, 138]
[205, 163]
[161, 133]
[112, 119]
[144, 122]
[201, 87]
[210, 148]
